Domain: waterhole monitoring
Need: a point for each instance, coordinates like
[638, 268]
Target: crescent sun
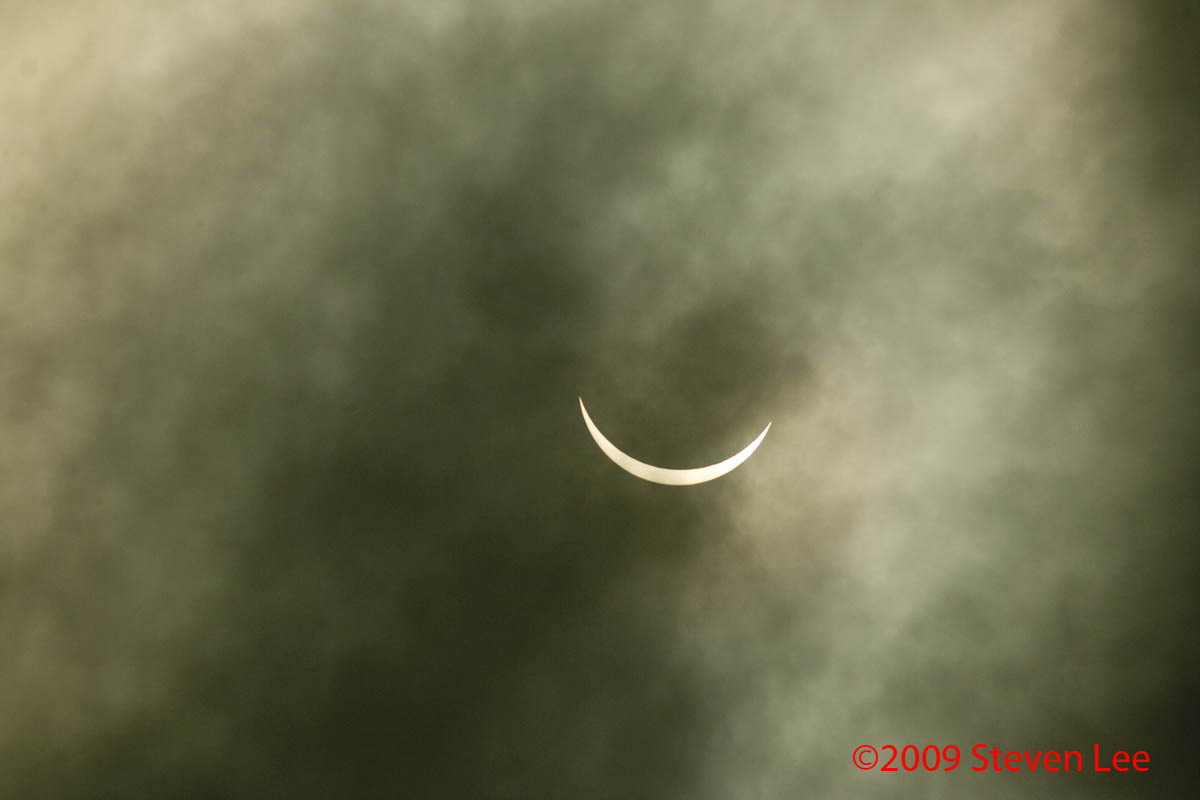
[669, 477]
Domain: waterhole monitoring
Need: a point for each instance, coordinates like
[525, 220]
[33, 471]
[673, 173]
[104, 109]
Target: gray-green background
[296, 300]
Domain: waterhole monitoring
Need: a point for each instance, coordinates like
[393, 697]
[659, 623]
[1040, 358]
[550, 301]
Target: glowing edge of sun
[669, 477]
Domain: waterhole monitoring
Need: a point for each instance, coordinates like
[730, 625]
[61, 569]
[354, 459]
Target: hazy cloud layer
[295, 304]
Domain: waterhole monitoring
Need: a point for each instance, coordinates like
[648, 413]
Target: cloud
[297, 302]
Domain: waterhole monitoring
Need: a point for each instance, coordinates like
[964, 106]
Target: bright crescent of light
[670, 477]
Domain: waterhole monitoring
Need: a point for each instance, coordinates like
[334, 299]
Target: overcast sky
[297, 299]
